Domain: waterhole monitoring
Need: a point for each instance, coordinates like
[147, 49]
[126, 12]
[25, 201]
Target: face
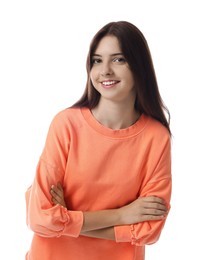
[110, 73]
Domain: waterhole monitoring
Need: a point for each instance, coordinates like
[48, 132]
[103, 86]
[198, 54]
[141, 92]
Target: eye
[96, 60]
[119, 59]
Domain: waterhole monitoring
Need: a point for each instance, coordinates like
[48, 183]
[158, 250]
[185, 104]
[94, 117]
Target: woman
[103, 183]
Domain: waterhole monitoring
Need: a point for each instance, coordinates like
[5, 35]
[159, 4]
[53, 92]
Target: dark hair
[137, 54]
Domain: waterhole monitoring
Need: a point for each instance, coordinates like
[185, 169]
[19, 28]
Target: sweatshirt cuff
[122, 233]
[74, 224]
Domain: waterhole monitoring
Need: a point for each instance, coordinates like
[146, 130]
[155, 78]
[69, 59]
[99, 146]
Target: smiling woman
[111, 71]
[112, 78]
[103, 183]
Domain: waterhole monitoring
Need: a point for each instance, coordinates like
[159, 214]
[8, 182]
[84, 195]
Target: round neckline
[132, 130]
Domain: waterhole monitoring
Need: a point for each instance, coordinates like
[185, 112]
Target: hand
[58, 195]
[143, 209]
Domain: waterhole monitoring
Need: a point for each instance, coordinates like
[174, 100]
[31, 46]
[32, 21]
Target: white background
[43, 48]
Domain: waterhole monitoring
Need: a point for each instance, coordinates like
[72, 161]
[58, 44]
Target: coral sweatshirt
[99, 168]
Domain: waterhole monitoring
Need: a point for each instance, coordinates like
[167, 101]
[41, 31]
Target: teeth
[108, 82]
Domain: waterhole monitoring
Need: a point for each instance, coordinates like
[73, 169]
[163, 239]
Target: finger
[59, 185]
[56, 190]
[54, 201]
[153, 199]
[155, 212]
[56, 196]
[57, 200]
[154, 202]
[152, 218]
[154, 205]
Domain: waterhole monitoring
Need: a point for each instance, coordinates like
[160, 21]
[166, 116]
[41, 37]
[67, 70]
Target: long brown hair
[137, 54]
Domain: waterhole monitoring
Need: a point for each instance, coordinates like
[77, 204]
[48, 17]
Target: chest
[104, 173]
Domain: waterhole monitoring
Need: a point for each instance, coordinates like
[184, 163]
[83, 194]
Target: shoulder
[156, 131]
[65, 121]
[158, 142]
[66, 116]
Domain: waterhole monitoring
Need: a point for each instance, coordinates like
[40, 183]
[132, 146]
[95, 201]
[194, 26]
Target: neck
[115, 115]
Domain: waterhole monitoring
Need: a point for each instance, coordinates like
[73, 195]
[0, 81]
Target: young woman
[103, 182]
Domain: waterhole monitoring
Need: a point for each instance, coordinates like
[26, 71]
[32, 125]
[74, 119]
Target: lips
[109, 83]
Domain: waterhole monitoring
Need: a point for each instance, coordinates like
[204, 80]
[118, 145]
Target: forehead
[108, 45]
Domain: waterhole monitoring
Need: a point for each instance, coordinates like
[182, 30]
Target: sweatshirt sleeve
[157, 183]
[43, 217]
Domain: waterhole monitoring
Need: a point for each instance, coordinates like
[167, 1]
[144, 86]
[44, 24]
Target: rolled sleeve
[44, 218]
[52, 221]
[147, 232]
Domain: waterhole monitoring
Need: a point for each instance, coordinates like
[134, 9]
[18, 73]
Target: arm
[105, 233]
[100, 224]
[44, 218]
[157, 182]
[57, 197]
[146, 232]
[140, 210]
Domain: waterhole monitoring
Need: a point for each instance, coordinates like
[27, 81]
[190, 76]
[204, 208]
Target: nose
[106, 69]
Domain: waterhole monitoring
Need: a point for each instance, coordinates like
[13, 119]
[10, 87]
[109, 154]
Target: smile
[109, 83]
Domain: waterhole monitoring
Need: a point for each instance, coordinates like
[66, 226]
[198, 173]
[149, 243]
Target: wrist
[101, 219]
[121, 216]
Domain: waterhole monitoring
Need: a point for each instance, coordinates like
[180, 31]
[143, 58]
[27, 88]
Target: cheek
[93, 76]
[130, 79]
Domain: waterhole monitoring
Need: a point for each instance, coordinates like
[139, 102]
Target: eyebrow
[114, 54]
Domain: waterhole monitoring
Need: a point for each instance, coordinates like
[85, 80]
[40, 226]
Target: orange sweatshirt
[100, 168]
